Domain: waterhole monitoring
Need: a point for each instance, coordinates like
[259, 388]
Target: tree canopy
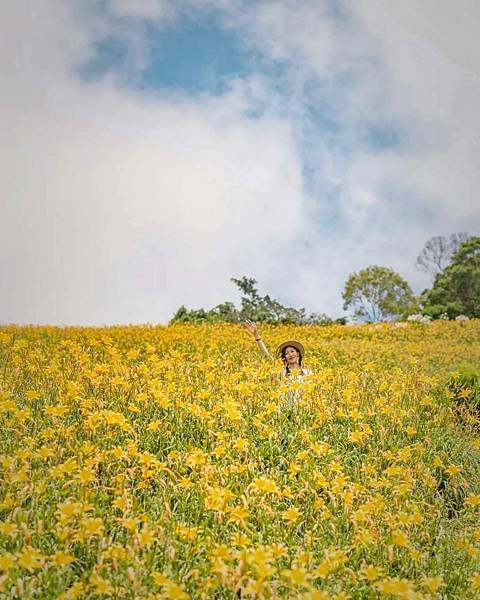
[375, 293]
[378, 293]
[456, 290]
[262, 309]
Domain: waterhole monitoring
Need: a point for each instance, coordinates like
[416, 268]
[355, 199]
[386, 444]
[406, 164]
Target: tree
[262, 309]
[268, 310]
[225, 312]
[378, 293]
[456, 291]
[438, 252]
[183, 315]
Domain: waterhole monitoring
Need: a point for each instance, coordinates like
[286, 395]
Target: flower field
[166, 462]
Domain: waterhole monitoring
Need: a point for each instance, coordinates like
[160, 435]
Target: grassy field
[168, 462]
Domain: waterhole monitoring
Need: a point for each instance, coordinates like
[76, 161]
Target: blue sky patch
[197, 54]
[192, 55]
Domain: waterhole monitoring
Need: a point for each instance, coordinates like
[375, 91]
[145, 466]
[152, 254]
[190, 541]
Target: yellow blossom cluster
[155, 462]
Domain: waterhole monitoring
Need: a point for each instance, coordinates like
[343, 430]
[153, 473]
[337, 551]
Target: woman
[291, 352]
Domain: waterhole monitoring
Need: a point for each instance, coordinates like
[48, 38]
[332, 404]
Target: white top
[292, 395]
[298, 376]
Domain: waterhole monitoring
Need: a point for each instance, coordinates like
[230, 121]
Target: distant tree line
[261, 309]
[375, 293]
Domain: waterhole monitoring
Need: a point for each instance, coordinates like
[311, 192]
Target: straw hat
[297, 345]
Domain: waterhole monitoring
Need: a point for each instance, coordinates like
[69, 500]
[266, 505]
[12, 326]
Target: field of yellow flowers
[170, 462]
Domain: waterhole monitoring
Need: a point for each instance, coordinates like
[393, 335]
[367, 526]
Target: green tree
[183, 315]
[261, 309]
[225, 312]
[456, 290]
[378, 293]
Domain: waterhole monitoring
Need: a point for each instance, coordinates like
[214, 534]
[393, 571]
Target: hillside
[166, 462]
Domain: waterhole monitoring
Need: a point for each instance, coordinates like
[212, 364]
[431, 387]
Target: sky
[154, 149]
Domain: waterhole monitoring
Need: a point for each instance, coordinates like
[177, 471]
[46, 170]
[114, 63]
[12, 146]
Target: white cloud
[142, 9]
[431, 59]
[118, 207]
[417, 67]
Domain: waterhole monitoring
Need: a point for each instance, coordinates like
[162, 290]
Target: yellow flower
[317, 595]
[114, 551]
[303, 455]
[91, 526]
[398, 538]
[8, 501]
[291, 515]
[61, 559]
[7, 561]
[145, 537]
[475, 581]
[121, 503]
[86, 475]
[30, 558]
[263, 484]
[73, 591]
[68, 510]
[453, 470]
[357, 436]
[320, 448]
[415, 554]
[238, 514]
[45, 452]
[320, 479]
[8, 529]
[472, 500]
[239, 539]
[433, 584]
[101, 585]
[287, 492]
[323, 569]
[271, 407]
[241, 444]
[188, 533]
[130, 523]
[396, 587]
[196, 457]
[173, 591]
[278, 550]
[217, 497]
[221, 551]
[297, 576]
[371, 573]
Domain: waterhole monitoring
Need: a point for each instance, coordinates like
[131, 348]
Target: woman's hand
[252, 328]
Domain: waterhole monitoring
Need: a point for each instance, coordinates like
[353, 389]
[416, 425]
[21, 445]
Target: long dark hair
[287, 368]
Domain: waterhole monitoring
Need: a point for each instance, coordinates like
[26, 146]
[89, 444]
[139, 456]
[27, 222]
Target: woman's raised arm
[253, 329]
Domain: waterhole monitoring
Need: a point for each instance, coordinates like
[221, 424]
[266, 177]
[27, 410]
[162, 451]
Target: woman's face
[291, 355]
